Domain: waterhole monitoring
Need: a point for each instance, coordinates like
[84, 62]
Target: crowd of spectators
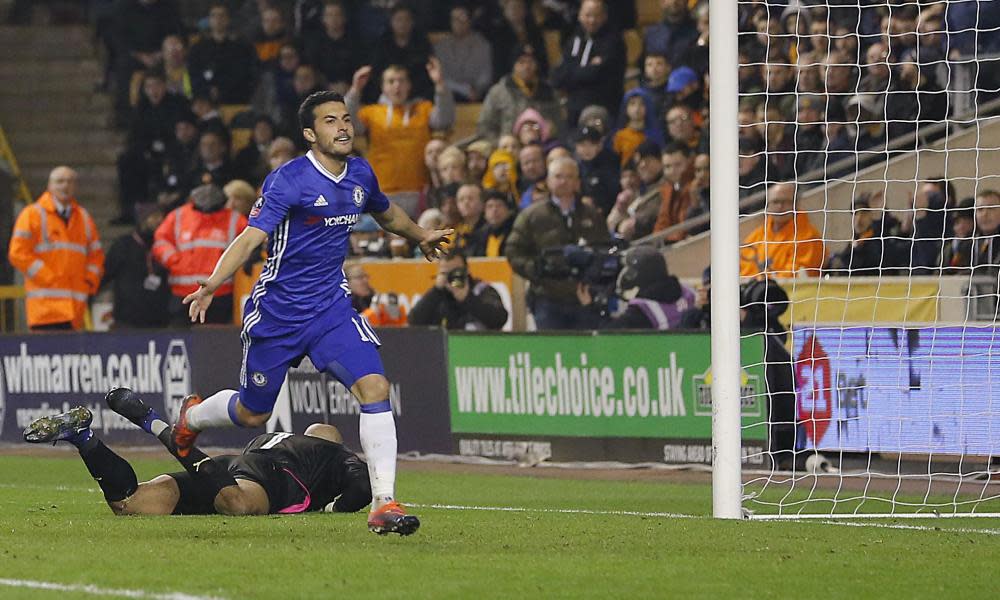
[586, 146]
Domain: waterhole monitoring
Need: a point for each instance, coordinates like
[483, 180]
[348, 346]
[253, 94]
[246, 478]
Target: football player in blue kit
[301, 307]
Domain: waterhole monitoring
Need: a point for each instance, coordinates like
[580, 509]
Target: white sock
[378, 439]
[218, 410]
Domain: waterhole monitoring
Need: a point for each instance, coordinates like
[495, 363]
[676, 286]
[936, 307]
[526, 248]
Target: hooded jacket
[592, 70]
[624, 144]
[397, 135]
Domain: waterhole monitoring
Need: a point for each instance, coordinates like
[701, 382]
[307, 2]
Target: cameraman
[559, 220]
[656, 299]
[458, 301]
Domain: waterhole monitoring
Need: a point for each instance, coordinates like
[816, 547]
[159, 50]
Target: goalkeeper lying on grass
[276, 473]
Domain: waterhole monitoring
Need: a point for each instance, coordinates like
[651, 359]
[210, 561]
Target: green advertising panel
[604, 385]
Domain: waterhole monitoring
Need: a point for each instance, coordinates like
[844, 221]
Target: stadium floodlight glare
[882, 380]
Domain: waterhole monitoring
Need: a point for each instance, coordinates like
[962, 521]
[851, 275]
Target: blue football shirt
[308, 213]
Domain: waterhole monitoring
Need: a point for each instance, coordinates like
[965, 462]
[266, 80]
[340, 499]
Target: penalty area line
[564, 511]
[99, 591]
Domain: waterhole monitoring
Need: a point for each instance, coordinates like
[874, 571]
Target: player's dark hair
[307, 118]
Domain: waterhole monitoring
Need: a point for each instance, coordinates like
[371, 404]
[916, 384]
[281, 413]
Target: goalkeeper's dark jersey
[304, 473]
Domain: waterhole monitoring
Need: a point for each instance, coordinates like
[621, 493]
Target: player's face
[332, 131]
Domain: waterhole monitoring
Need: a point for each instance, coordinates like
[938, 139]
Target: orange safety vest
[380, 315]
[189, 243]
[62, 261]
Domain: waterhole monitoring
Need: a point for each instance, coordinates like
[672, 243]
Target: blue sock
[81, 438]
[147, 423]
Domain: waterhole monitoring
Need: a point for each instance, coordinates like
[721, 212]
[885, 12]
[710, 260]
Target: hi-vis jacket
[189, 243]
[62, 261]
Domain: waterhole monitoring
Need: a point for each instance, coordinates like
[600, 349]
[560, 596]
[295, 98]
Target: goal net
[869, 158]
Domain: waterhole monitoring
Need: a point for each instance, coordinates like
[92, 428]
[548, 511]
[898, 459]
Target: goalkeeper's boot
[59, 427]
[182, 436]
[129, 405]
[392, 518]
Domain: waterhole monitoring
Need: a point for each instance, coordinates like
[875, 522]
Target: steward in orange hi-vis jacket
[189, 242]
[55, 244]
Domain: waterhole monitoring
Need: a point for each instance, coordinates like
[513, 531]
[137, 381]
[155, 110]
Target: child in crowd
[501, 172]
[508, 144]
[451, 165]
[477, 156]
[637, 123]
[655, 74]
[531, 128]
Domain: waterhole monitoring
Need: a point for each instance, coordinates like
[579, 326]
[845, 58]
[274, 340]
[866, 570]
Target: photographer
[458, 301]
[558, 221]
[656, 299]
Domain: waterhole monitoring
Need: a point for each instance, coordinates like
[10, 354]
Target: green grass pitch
[55, 528]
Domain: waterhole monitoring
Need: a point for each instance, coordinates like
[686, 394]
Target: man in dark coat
[593, 66]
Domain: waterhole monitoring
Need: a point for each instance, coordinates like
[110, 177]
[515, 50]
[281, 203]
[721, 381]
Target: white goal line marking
[629, 513]
[565, 511]
[913, 527]
[99, 591]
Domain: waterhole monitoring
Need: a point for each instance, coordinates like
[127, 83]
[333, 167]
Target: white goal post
[880, 373]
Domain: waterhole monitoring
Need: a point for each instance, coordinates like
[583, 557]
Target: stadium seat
[633, 46]
[648, 12]
[240, 138]
[552, 46]
[229, 111]
[135, 87]
[466, 116]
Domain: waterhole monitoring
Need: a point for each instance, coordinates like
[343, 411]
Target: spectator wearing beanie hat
[531, 128]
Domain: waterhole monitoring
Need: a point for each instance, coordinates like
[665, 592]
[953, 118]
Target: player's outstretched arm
[431, 241]
[233, 258]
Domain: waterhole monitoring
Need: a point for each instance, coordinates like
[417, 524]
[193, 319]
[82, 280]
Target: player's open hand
[198, 303]
[435, 243]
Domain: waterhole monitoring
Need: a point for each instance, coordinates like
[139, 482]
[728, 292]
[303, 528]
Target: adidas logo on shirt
[321, 201]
